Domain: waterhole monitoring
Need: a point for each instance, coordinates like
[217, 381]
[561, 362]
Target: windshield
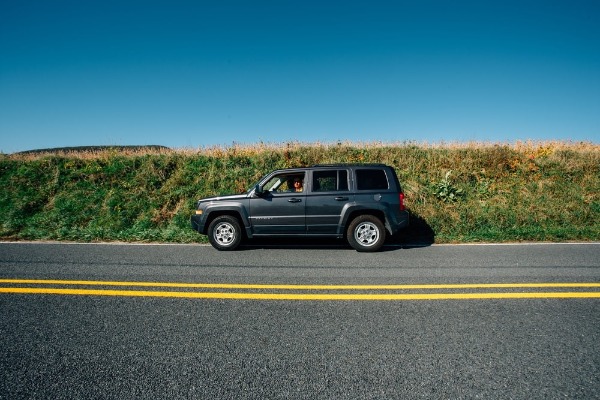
[251, 188]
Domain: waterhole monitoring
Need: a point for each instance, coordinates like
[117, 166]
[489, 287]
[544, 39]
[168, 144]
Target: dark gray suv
[360, 202]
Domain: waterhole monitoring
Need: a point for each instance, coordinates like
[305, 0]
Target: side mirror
[258, 190]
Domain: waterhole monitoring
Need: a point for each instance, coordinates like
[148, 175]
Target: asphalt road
[122, 321]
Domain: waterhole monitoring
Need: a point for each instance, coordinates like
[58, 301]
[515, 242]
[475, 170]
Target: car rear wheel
[225, 233]
[366, 233]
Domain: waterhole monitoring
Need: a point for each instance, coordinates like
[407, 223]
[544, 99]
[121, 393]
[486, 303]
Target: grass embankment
[459, 193]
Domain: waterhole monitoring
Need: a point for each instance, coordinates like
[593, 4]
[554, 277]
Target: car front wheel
[225, 233]
[366, 233]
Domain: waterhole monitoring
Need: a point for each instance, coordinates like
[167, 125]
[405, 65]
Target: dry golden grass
[530, 148]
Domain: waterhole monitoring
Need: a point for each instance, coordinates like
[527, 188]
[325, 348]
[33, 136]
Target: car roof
[350, 165]
[340, 165]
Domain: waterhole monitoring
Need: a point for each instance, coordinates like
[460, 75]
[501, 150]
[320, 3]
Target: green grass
[455, 193]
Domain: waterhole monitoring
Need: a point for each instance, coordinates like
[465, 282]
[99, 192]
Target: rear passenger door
[328, 194]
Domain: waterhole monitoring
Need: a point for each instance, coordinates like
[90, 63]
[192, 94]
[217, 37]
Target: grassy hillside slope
[457, 193]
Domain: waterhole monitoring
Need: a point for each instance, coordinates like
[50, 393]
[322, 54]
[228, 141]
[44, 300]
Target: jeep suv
[361, 202]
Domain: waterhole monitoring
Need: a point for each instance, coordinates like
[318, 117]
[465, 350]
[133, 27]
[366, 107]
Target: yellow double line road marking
[332, 291]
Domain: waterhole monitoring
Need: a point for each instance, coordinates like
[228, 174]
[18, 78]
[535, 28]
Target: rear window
[371, 179]
[330, 181]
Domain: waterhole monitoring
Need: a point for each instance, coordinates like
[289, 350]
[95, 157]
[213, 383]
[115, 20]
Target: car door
[280, 209]
[328, 194]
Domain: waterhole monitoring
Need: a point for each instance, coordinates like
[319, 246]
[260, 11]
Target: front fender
[214, 209]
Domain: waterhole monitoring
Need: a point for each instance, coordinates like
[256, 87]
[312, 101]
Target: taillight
[402, 207]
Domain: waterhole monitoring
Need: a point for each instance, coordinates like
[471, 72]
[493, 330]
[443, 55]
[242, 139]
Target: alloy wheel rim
[366, 234]
[225, 234]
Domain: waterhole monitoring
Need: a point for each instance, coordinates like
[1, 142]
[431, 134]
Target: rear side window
[371, 179]
[330, 181]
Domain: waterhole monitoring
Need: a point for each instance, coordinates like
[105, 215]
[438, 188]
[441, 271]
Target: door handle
[294, 200]
[341, 198]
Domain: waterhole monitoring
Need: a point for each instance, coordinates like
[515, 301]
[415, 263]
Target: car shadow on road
[418, 234]
[294, 243]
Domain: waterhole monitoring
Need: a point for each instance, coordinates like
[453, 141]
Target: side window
[330, 181]
[371, 179]
[285, 183]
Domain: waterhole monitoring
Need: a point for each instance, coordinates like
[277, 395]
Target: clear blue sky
[202, 73]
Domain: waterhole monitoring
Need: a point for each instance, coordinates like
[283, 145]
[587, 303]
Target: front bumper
[197, 223]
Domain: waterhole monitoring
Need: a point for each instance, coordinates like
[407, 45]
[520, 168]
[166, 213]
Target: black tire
[366, 233]
[225, 233]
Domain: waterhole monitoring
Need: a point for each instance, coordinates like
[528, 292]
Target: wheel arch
[351, 215]
[219, 213]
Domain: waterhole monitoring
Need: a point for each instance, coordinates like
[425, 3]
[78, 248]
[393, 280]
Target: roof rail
[351, 165]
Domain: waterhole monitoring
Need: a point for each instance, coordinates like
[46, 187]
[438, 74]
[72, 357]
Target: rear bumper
[401, 222]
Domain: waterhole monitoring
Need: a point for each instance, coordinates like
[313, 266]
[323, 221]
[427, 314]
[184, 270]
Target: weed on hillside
[464, 192]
